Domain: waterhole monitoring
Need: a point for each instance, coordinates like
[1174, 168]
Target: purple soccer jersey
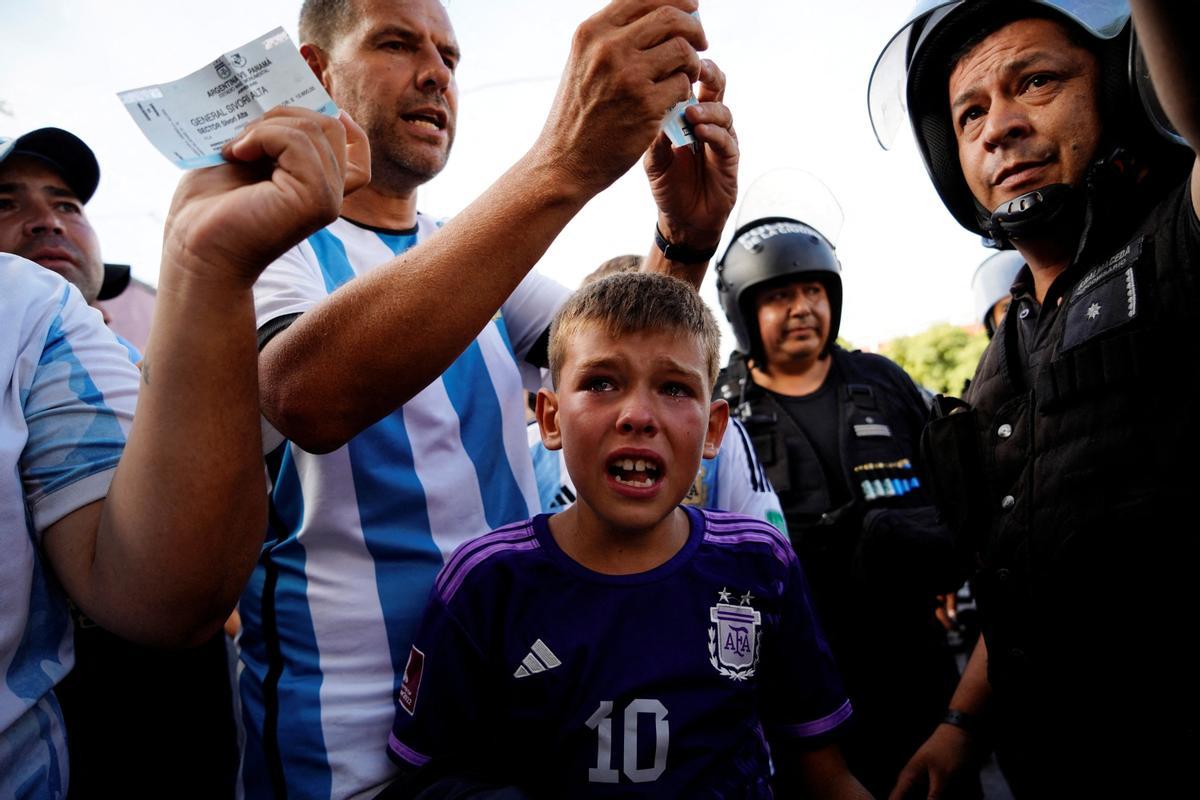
[530, 669]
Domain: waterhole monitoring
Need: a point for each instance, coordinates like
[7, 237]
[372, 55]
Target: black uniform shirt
[817, 416]
[1033, 320]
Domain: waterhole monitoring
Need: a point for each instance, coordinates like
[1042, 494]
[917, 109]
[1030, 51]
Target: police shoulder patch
[1104, 299]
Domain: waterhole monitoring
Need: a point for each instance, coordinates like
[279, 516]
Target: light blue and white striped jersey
[358, 535]
[732, 481]
[65, 409]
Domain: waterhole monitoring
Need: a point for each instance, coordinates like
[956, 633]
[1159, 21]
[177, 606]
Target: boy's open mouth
[640, 473]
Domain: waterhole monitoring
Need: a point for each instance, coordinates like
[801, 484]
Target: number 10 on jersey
[601, 721]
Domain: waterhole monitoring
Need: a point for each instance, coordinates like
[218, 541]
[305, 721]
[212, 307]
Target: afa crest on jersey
[733, 636]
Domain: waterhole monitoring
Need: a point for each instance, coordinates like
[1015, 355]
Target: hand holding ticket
[191, 119]
[228, 222]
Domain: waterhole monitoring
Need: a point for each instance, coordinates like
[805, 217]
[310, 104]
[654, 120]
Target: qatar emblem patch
[733, 636]
[411, 683]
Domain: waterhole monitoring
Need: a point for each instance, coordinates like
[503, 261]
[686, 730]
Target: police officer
[837, 433]
[990, 287]
[1067, 469]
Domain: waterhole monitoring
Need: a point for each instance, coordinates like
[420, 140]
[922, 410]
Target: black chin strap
[1061, 207]
[1034, 213]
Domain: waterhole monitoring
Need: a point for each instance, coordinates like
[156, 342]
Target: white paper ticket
[676, 126]
[191, 119]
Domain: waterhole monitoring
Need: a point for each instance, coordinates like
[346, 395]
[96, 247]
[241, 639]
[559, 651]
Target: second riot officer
[837, 433]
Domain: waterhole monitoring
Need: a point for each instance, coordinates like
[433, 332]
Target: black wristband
[961, 719]
[681, 252]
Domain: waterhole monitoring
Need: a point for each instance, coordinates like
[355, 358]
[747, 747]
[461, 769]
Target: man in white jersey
[156, 547]
[397, 361]
[119, 692]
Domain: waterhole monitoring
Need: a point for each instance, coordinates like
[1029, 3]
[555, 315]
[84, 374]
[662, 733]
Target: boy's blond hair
[614, 266]
[632, 302]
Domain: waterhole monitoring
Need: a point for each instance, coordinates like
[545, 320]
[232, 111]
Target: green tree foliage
[941, 359]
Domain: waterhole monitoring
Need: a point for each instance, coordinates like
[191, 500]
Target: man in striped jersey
[390, 367]
[156, 547]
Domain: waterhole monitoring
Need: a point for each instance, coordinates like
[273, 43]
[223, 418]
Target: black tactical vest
[889, 520]
[1065, 486]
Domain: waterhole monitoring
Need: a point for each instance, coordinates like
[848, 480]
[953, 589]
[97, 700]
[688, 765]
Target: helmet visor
[1150, 102]
[993, 279]
[792, 194]
[887, 89]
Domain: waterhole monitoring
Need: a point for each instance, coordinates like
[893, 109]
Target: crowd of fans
[308, 543]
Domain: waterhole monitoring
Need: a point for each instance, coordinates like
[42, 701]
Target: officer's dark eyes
[68, 207]
[1038, 81]
[970, 115]
[7, 204]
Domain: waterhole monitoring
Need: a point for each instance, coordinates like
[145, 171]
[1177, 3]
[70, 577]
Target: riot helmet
[992, 282]
[912, 73]
[785, 231]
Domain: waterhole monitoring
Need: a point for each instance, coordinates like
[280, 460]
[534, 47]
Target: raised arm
[164, 557]
[695, 189]
[1166, 32]
[383, 337]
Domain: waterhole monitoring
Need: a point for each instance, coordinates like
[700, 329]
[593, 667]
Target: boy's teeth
[634, 472]
[642, 484]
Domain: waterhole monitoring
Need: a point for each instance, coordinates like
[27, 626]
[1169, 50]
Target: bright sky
[797, 86]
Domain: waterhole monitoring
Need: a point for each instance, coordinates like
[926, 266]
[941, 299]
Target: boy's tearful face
[633, 417]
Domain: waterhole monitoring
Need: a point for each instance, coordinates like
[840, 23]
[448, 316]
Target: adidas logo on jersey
[539, 659]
